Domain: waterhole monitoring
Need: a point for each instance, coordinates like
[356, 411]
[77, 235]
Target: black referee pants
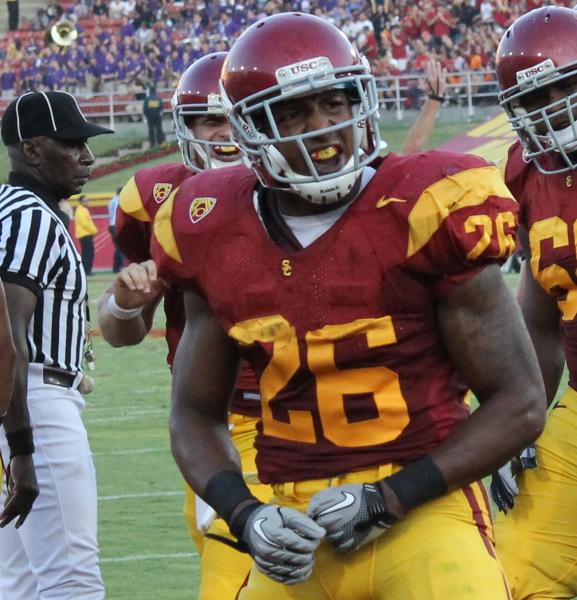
[87, 252]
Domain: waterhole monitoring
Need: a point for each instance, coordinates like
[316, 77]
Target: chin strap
[326, 191]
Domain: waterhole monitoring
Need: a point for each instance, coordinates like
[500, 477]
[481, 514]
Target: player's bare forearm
[422, 128]
[204, 375]
[488, 342]
[542, 317]
[128, 332]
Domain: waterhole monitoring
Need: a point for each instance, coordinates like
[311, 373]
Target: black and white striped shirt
[37, 252]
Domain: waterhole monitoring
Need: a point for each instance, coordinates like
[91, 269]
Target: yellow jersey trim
[163, 228]
[470, 187]
[130, 202]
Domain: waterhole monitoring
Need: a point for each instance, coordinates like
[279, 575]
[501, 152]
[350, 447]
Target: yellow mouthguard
[325, 153]
[226, 149]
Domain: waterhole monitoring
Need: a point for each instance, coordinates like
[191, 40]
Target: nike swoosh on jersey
[384, 201]
[348, 500]
[257, 526]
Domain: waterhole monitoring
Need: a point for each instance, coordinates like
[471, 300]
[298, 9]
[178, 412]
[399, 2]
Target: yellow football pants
[223, 570]
[442, 550]
[537, 540]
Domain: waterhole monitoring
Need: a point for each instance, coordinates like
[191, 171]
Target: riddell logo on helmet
[543, 67]
[320, 64]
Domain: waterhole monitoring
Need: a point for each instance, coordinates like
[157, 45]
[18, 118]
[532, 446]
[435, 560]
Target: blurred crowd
[122, 46]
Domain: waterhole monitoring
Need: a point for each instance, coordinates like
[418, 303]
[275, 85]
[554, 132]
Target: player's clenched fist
[282, 542]
[353, 515]
[137, 284]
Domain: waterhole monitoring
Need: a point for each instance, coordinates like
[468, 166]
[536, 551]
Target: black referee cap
[52, 114]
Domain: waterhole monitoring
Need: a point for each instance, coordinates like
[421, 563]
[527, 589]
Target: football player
[127, 308]
[367, 295]
[537, 73]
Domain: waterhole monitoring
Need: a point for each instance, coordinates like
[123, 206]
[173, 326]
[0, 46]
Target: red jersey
[140, 200]
[343, 333]
[548, 210]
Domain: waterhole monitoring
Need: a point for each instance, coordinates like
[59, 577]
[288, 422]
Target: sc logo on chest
[286, 267]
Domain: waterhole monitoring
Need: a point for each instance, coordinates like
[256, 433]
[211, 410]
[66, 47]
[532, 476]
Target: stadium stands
[125, 46]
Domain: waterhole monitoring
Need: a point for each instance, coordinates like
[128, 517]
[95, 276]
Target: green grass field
[145, 549]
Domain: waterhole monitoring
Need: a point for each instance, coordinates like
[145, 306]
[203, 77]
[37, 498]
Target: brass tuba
[62, 33]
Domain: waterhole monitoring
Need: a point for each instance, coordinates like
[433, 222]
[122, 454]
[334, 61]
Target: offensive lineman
[127, 308]
[360, 291]
[537, 73]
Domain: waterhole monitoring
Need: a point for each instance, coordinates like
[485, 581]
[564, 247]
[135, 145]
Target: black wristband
[418, 483]
[230, 497]
[440, 99]
[20, 442]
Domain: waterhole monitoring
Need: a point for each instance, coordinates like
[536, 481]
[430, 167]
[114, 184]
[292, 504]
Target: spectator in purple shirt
[127, 29]
[7, 82]
[94, 75]
[109, 73]
[53, 76]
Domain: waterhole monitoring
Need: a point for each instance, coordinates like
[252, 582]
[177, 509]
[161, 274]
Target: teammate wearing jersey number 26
[367, 295]
[127, 308]
[537, 72]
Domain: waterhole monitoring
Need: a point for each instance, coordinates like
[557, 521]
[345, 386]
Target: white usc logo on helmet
[539, 69]
[319, 64]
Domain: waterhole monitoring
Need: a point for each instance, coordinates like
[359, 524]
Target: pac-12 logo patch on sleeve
[161, 191]
[200, 207]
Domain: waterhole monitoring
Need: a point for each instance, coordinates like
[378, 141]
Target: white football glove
[353, 515]
[504, 488]
[282, 542]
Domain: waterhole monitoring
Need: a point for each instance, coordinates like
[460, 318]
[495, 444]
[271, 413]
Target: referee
[52, 483]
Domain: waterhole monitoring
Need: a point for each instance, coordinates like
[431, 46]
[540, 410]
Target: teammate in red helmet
[537, 73]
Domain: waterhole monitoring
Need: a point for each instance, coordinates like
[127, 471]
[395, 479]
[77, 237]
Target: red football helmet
[198, 94]
[288, 55]
[539, 50]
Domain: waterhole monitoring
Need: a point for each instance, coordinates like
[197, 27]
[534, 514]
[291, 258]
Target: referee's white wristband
[124, 314]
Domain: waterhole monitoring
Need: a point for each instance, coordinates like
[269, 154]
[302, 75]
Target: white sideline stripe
[126, 407]
[134, 415]
[137, 557]
[139, 451]
[143, 495]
